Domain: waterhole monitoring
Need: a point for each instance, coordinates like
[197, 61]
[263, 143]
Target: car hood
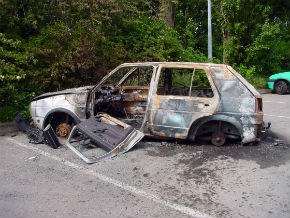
[80, 90]
[280, 75]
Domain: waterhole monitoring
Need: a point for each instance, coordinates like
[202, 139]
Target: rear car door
[183, 94]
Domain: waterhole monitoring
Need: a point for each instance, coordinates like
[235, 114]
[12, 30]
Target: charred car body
[181, 100]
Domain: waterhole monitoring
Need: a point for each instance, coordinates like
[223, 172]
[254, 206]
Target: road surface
[155, 179]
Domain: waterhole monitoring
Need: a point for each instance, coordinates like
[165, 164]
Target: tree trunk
[226, 35]
[166, 12]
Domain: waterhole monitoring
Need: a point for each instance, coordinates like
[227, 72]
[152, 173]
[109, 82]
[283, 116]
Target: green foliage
[7, 113]
[143, 39]
[50, 45]
[269, 49]
[15, 68]
[250, 74]
[200, 79]
[67, 57]
[254, 33]
[246, 72]
[259, 81]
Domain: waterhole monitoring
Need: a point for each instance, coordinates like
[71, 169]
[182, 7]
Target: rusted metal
[63, 130]
[218, 138]
[183, 114]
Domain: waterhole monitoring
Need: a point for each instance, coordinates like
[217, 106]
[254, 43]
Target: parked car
[280, 83]
[181, 100]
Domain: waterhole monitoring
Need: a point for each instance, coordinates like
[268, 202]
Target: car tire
[281, 87]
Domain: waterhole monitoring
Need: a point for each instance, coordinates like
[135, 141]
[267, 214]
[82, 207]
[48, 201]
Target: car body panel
[44, 105]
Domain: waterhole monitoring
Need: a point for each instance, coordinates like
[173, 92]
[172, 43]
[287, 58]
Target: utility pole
[209, 32]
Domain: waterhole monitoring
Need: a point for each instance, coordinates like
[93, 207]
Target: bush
[249, 73]
[16, 90]
[7, 113]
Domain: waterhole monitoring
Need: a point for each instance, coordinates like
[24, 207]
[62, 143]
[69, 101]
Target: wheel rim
[63, 130]
[280, 87]
[218, 139]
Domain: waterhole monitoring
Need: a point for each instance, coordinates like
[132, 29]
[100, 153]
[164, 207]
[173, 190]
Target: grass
[259, 81]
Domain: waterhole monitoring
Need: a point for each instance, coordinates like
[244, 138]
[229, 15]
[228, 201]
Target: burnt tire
[281, 87]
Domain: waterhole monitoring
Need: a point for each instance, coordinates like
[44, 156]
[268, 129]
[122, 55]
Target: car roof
[172, 64]
[194, 64]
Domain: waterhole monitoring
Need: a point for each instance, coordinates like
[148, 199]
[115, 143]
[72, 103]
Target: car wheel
[281, 87]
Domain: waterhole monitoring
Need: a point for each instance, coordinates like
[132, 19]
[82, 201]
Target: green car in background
[280, 83]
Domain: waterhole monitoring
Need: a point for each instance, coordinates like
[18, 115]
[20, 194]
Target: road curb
[264, 91]
[8, 128]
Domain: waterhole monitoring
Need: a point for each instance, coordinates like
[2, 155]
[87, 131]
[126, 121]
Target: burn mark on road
[271, 151]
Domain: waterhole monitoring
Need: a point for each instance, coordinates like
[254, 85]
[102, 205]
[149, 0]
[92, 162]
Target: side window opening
[124, 95]
[141, 76]
[184, 82]
[119, 75]
[131, 76]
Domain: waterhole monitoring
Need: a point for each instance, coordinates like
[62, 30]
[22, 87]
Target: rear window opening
[259, 105]
[184, 82]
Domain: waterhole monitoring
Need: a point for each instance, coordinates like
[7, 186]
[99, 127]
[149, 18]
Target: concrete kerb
[8, 128]
[264, 91]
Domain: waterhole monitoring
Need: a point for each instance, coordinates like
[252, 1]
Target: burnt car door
[102, 137]
[182, 94]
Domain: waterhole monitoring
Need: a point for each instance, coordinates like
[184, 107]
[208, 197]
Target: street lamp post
[209, 35]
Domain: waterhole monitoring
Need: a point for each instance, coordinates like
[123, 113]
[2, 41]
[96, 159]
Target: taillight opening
[259, 106]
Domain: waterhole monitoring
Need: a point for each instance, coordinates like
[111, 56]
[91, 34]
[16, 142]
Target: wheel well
[207, 128]
[56, 118]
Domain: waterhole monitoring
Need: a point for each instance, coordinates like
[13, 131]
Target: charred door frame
[91, 97]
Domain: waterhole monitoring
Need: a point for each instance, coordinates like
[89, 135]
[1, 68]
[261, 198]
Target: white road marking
[183, 209]
[279, 102]
[276, 116]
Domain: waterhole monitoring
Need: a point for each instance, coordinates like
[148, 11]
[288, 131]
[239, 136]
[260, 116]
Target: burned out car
[181, 100]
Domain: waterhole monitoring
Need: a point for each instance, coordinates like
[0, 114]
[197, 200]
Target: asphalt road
[154, 179]
[277, 111]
